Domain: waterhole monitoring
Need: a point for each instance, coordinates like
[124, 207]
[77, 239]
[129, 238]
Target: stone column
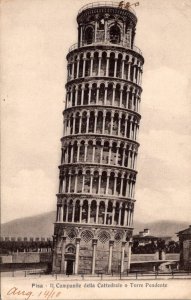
[105, 214]
[88, 120]
[115, 183]
[105, 28]
[82, 94]
[125, 216]
[122, 68]
[89, 209]
[117, 155]
[96, 20]
[73, 212]
[97, 94]
[72, 75]
[112, 116]
[83, 179]
[78, 151]
[101, 154]
[130, 188]
[103, 125]
[135, 162]
[129, 256]
[123, 158]
[93, 154]
[95, 124]
[64, 184]
[80, 125]
[131, 129]
[99, 63]
[105, 94]
[110, 256]
[134, 70]
[115, 67]
[107, 64]
[119, 219]
[138, 103]
[128, 214]
[99, 181]
[68, 160]
[69, 182]
[75, 183]
[80, 213]
[76, 96]
[85, 151]
[113, 98]
[127, 98]
[81, 31]
[113, 213]
[77, 255]
[121, 95]
[97, 212]
[57, 214]
[84, 66]
[90, 93]
[68, 127]
[107, 183]
[119, 124]
[137, 133]
[63, 253]
[94, 244]
[121, 187]
[122, 255]
[91, 63]
[74, 125]
[78, 62]
[61, 213]
[130, 154]
[72, 153]
[129, 70]
[109, 156]
[66, 211]
[91, 180]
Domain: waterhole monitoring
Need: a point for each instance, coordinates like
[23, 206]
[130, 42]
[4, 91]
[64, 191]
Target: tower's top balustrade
[104, 4]
[106, 7]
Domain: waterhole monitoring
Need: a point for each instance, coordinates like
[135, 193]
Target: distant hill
[34, 226]
[42, 226]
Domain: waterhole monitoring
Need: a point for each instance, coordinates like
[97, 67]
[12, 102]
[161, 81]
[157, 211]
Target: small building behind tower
[185, 248]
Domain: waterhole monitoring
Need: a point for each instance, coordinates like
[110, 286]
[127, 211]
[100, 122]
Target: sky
[35, 37]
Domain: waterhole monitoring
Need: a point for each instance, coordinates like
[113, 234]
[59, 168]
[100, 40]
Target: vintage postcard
[96, 149]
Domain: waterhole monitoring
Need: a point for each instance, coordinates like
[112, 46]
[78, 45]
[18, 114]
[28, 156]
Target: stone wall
[26, 257]
[144, 257]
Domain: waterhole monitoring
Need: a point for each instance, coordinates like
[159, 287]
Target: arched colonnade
[101, 121]
[104, 63]
[104, 93]
[97, 181]
[102, 152]
[96, 212]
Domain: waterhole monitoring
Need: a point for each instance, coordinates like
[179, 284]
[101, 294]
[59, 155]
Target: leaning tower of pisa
[95, 201]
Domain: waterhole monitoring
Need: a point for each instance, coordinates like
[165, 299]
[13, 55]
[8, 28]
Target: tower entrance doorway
[69, 267]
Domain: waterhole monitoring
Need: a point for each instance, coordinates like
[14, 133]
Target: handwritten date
[46, 295]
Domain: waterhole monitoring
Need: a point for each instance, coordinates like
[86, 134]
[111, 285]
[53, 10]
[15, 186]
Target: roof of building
[185, 231]
[145, 237]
